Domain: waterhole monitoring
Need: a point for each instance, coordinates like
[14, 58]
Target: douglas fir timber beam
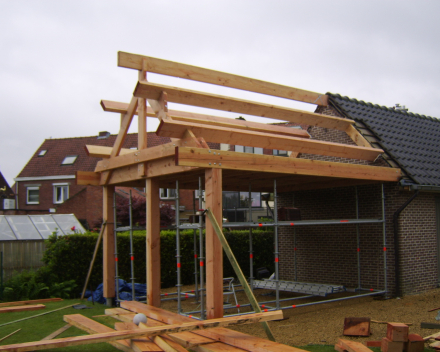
[213, 120]
[108, 244]
[189, 97]
[195, 73]
[268, 163]
[175, 129]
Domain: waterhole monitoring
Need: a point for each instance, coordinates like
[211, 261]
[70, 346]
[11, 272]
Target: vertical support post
[214, 253]
[178, 256]
[133, 295]
[115, 236]
[294, 255]
[201, 254]
[142, 113]
[153, 242]
[251, 249]
[275, 213]
[384, 234]
[358, 241]
[108, 245]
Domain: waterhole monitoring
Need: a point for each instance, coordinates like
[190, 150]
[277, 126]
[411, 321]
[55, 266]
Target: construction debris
[357, 326]
[22, 303]
[22, 308]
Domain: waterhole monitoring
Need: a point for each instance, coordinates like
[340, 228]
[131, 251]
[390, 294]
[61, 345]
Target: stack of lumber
[164, 331]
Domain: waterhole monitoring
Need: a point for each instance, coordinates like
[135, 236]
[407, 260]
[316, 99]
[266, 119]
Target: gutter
[397, 242]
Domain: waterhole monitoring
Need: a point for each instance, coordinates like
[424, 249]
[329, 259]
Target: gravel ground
[323, 323]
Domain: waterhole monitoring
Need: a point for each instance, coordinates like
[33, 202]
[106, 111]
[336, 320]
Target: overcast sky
[58, 59]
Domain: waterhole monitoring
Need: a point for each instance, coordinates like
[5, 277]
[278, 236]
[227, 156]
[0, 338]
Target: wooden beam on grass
[149, 90]
[229, 135]
[129, 334]
[139, 344]
[34, 301]
[237, 269]
[214, 120]
[24, 308]
[231, 337]
[195, 73]
[267, 163]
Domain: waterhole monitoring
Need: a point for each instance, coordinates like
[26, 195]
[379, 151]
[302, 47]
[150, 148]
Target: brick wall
[328, 254]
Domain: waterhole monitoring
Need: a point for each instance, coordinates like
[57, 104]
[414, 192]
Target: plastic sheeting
[140, 291]
[37, 227]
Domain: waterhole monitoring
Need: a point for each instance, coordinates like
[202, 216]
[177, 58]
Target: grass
[39, 327]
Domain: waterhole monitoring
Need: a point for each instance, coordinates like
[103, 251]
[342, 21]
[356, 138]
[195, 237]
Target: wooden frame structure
[189, 157]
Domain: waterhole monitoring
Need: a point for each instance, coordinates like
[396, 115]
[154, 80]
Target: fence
[21, 255]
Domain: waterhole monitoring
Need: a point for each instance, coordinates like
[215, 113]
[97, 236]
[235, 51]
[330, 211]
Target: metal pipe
[178, 256]
[358, 240]
[115, 234]
[130, 207]
[201, 253]
[397, 242]
[196, 271]
[384, 235]
[275, 212]
[251, 249]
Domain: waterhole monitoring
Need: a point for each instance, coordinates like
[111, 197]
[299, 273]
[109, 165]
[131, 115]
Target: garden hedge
[68, 257]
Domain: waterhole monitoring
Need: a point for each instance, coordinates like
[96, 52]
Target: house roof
[5, 190]
[412, 141]
[50, 163]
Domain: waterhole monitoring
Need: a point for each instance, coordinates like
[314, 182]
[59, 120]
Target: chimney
[103, 135]
[399, 107]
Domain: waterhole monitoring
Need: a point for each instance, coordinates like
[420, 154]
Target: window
[69, 160]
[252, 150]
[42, 152]
[280, 152]
[167, 193]
[33, 195]
[60, 192]
[232, 200]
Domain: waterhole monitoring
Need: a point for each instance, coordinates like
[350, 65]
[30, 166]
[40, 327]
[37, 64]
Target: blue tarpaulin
[140, 291]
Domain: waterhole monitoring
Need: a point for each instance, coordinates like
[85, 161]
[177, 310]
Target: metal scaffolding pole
[275, 211]
[384, 232]
[130, 207]
[116, 248]
[201, 253]
[358, 241]
[251, 249]
[196, 271]
[178, 256]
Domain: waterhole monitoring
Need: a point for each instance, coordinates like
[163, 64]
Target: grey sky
[58, 58]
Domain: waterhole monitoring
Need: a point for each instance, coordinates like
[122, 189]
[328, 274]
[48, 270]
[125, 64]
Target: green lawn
[37, 328]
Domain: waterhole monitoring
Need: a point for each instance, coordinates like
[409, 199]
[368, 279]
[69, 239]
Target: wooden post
[108, 244]
[214, 253]
[142, 115]
[153, 243]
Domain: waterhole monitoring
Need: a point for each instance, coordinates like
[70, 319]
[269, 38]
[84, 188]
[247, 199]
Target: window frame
[167, 197]
[69, 163]
[65, 192]
[32, 188]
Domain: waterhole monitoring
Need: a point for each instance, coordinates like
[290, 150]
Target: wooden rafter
[267, 163]
[200, 74]
[212, 101]
[172, 128]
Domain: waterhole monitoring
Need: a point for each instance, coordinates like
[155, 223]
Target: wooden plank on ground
[233, 136]
[22, 303]
[231, 337]
[353, 346]
[198, 157]
[93, 327]
[200, 74]
[140, 344]
[22, 308]
[149, 90]
[57, 332]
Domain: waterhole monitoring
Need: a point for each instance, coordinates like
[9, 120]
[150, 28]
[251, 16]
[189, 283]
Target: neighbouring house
[7, 196]
[407, 248]
[47, 183]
